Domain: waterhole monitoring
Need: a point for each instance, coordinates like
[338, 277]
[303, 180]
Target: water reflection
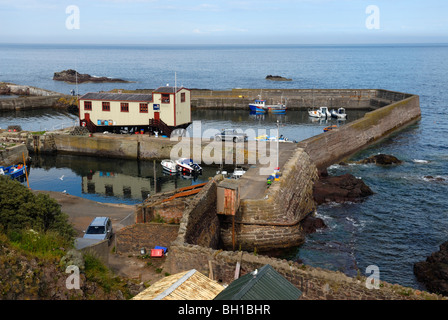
[107, 180]
[38, 119]
[295, 124]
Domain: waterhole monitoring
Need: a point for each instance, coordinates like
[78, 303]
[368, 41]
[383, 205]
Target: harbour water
[402, 223]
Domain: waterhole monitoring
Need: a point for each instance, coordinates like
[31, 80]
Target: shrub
[20, 209]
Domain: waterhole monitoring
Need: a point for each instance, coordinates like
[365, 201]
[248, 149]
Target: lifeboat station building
[165, 109]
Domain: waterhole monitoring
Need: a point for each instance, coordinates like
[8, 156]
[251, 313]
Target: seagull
[62, 177]
[65, 191]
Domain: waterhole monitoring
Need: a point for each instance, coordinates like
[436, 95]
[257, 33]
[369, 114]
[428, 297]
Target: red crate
[157, 253]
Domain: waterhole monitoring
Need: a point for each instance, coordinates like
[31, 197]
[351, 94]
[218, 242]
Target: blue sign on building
[156, 106]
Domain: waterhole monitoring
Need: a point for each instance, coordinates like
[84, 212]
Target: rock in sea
[433, 272]
[73, 76]
[381, 159]
[277, 78]
[339, 189]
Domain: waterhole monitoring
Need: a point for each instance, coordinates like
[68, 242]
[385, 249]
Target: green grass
[44, 245]
[96, 271]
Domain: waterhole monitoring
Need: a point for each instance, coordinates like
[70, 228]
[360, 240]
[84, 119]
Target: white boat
[186, 165]
[339, 114]
[265, 137]
[238, 173]
[322, 112]
[169, 165]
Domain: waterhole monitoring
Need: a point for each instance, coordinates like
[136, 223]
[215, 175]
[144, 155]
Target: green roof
[262, 284]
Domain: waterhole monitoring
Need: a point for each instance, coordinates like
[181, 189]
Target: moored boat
[326, 129]
[14, 171]
[322, 112]
[169, 165]
[339, 114]
[258, 106]
[186, 165]
[277, 109]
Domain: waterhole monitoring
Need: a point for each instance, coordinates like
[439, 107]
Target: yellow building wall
[134, 117]
[183, 109]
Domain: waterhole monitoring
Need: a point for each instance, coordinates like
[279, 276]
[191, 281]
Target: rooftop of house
[187, 285]
[262, 284]
[106, 96]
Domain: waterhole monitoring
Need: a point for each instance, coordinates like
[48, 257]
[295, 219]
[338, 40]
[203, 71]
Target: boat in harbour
[14, 171]
[339, 114]
[186, 165]
[260, 106]
[277, 109]
[265, 137]
[322, 112]
[329, 128]
[169, 165]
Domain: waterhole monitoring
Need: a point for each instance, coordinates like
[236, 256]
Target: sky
[223, 21]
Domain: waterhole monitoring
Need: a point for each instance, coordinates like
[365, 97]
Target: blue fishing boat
[277, 109]
[14, 171]
[258, 106]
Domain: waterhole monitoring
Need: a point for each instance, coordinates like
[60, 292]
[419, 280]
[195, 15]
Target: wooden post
[26, 171]
[233, 232]
[210, 267]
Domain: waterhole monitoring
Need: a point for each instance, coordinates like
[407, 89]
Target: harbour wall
[28, 97]
[13, 155]
[273, 220]
[333, 146]
[197, 247]
[296, 99]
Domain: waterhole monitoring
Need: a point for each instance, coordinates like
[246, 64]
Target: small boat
[339, 114]
[265, 137]
[14, 171]
[238, 173]
[186, 165]
[258, 106]
[322, 112]
[326, 129]
[169, 165]
[277, 109]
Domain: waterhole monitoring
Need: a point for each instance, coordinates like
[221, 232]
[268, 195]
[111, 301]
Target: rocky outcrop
[339, 188]
[433, 272]
[72, 76]
[277, 78]
[311, 224]
[381, 159]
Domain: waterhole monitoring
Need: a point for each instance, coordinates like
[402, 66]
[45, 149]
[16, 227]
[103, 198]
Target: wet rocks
[311, 224]
[432, 178]
[433, 272]
[381, 159]
[72, 76]
[277, 78]
[339, 188]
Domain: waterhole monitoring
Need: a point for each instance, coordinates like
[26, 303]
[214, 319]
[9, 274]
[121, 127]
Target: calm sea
[406, 219]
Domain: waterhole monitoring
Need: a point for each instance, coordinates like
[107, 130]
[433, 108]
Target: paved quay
[253, 184]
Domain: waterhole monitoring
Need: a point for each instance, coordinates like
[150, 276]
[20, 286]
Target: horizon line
[225, 44]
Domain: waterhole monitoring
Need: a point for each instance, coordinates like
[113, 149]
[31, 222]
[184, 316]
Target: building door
[87, 117]
[157, 116]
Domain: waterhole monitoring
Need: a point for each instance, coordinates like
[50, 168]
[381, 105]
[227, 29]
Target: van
[100, 229]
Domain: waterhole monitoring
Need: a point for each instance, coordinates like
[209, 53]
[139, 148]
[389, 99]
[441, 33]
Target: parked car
[99, 229]
[231, 135]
